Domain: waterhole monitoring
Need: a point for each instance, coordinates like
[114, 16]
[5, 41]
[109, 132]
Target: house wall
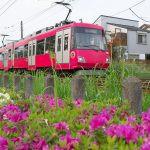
[134, 47]
[103, 20]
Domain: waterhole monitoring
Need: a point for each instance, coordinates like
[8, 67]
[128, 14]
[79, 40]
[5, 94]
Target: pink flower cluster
[131, 131]
[3, 143]
[86, 121]
[70, 141]
[13, 113]
[127, 131]
[50, 101]
[78, 102]
[146, 145]
[39, 144]
[62, 126]
[100, 120]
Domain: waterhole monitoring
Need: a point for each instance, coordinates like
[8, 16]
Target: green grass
[111, 88]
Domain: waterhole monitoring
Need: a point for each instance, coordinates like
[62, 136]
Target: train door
[5, 60]
[10, 58]
[31, 53]
[62, 47]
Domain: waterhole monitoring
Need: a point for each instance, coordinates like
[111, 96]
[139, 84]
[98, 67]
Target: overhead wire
[8, 7]
[31, 18]
[5, 4]
[123, 10]
[38, 14]
[138, 16]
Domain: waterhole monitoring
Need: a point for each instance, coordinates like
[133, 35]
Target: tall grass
[110, 87]
[38, 82]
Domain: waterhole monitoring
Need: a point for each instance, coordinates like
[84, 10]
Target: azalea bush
[45, 123]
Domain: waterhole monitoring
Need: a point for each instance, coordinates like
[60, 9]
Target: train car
[1, 58]
[74, 46]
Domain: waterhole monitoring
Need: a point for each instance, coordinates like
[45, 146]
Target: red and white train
[70, 47]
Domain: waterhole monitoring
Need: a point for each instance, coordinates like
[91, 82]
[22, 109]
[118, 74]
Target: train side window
[9, 54]
[20, 51]
[40, 47]
[1, 57]
[16, 53]
[26, 50]
[30, 49]
[33, 49]
[66, 42]
[59, 44]
[50, 44]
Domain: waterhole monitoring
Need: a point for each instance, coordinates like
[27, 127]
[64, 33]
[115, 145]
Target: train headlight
[81, 59]
[108, 60]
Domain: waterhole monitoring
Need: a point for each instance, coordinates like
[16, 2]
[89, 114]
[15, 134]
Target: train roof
[43, 33]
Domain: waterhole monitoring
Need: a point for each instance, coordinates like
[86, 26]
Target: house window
[141, 38]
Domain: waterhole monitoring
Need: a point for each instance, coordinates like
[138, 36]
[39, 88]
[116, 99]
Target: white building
[127, 34]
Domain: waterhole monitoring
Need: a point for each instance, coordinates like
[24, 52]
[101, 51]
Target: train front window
[88, 38]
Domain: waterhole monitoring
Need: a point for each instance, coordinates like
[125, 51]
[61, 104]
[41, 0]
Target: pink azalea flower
[25, 107]
[100, 120]
[61, 126]
[52, 102]
[113, 110]
[131, 119]
[146, 117]
[1, 118]
[40, 145]
[58, 148]
[11, 130]
[95, 143]
[70, 141]
[83, 132]
[3, 143]
[13, 113]
[111, 130]
[146, 145]
[78, 102]
[16, 140]
[19, 117]
[126, 131]
[22, 146]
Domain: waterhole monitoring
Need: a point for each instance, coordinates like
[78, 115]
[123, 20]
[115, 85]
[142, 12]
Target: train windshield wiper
[95, 47]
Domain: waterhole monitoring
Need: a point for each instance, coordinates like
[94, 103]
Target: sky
[38, 14]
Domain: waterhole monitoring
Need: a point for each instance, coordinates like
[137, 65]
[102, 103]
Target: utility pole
[21, 29]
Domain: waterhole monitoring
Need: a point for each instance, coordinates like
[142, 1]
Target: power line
[38, 14]
[138, 16]
[5, 4]
[27, 20]
[137, 3]
[8, 7]
[31, 18]
[123, 10]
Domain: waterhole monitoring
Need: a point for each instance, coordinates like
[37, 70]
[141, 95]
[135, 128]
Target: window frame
[42, 41]
[50, 44]
[141, 34]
